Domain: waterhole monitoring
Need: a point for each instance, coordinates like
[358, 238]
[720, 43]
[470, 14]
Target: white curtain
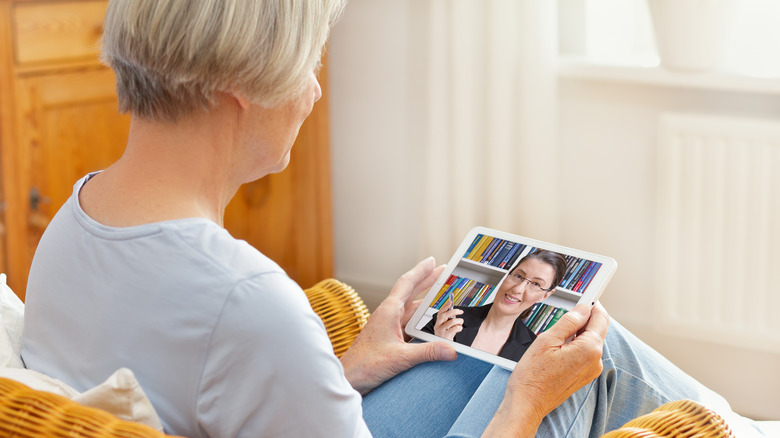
[488, 96]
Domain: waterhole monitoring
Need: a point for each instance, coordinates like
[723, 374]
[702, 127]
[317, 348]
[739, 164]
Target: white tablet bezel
[593, 292]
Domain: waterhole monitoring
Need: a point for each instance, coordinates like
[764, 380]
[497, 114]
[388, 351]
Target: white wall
[374, 152]
[607, 135]
[607, 142]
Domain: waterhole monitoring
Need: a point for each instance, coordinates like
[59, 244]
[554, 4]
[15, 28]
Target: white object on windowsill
[691, 34]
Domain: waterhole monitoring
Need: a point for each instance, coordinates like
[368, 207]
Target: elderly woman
[498, 327]
[136, 270]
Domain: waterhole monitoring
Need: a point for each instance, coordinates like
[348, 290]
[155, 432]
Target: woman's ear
[240, 98]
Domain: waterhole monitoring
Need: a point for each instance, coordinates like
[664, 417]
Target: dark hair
[552, 258]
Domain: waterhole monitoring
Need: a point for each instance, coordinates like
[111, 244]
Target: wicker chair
[341, 309]
[27, 413]
[681, 418]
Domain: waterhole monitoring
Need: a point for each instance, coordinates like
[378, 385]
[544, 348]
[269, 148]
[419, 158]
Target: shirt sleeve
[430, 327]
[271, 370]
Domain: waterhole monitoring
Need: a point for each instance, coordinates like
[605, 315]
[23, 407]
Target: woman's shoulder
[214, 245]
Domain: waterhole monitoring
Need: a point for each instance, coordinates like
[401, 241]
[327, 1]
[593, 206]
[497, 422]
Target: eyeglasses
[533, 285]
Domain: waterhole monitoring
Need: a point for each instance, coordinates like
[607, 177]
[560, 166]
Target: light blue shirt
[223, 342]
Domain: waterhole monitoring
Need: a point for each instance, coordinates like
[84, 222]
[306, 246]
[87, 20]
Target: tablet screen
[499, 291]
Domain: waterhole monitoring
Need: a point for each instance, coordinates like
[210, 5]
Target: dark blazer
[519, 340]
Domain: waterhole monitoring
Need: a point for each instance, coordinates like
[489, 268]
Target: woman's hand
[381, 351]
[551, 370]
[447, 325]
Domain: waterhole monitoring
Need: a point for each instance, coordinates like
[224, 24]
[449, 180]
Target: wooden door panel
[3, 235]
[57, 31]
[68, 126]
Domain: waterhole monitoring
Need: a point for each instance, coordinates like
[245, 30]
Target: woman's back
[216, 333]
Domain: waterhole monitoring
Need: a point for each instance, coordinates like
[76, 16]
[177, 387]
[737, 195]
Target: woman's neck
[493, 332]
[168, 171]
[498, 322]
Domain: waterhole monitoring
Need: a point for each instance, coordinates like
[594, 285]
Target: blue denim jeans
[458, 399]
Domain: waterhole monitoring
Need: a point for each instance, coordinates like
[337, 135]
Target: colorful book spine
[463, 291]
[535, 316]
[579, 274]
[493, 251]
[558, 313]
[444, 292]
[501, 253]
[459, 292]
[544, 311]
[586, 281]
[542, 317]
[569, 277]
[580, 278]
[473, 245]
[478, 248]
[479, 295]
[532, 315]
[489, 249]
[487, 295]
[513, 259]
[472, 292]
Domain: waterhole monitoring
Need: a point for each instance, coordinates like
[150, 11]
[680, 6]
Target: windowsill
[647, 71]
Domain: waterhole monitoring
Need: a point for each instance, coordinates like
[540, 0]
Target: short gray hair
[171, 56]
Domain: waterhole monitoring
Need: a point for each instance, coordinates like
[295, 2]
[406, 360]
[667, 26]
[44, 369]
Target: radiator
[718, 253]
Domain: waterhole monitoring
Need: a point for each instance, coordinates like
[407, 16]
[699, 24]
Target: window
[621, 32]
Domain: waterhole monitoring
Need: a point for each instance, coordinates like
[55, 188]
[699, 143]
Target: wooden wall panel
[59, 121]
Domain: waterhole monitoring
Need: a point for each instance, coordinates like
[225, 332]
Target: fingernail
[445, 352]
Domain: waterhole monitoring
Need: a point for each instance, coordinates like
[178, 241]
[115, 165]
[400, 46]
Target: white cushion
[120, 394]
[11, 323]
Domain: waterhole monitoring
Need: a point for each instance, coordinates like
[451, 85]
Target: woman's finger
[405, 287]
[452, 323]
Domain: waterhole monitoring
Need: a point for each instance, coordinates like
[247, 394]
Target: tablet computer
[499, 291]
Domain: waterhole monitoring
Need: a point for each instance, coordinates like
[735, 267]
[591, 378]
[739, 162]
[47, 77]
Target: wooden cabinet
[59, 121]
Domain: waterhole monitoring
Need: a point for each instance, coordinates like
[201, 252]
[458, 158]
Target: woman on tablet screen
[498, 327]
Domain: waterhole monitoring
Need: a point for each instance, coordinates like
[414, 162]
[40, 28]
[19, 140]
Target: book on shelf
[493, 254]
[512, 249]
[473, 244]
[492, 251]
[464, 291]
[542, 317]
[476, 252]
[579, 274]
[488, 252]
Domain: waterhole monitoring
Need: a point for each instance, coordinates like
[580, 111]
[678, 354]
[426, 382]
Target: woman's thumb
[431, 351]
[570, 323]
